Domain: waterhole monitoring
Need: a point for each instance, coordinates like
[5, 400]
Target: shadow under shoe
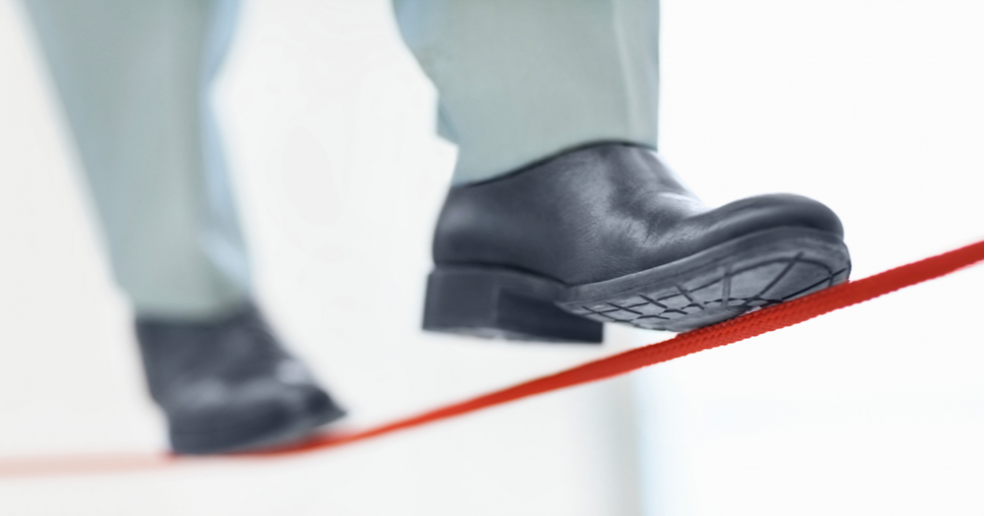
[227, 385]
[607, 233]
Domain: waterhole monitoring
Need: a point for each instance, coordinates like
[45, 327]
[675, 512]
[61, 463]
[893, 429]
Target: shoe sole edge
[753, 271]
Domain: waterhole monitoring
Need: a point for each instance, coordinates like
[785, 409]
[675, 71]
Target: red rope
[734, 330]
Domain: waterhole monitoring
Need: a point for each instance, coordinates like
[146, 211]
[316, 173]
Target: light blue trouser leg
[134, 78]
[520, 80]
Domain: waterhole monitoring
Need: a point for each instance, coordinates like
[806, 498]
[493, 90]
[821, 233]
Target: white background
[874, 108]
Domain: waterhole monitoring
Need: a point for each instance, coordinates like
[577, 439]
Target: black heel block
[492, 303]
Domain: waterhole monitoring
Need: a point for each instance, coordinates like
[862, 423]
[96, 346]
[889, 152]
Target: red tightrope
[734, 330]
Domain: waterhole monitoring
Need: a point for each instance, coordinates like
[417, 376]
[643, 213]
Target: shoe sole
[719, 283]
[259, 434]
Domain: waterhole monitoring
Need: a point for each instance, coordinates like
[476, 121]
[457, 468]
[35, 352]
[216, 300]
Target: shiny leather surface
[228, 384]
[598, 213]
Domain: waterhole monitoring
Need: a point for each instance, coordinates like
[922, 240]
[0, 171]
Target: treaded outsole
[718, 291]
[723, 281]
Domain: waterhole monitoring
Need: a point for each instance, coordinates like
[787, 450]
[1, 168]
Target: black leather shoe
[227, 385]
[607, 233]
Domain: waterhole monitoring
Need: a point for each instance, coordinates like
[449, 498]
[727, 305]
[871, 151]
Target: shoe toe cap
[258, 414]
[764, 212]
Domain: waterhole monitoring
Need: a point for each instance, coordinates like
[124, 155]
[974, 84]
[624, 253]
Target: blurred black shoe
[227, 385]
[607, 233]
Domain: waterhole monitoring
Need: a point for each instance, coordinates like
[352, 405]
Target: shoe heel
[481, 303]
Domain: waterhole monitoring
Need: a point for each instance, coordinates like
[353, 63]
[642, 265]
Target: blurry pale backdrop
[873, 107]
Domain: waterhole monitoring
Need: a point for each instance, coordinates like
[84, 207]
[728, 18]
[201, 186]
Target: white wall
[875, 108]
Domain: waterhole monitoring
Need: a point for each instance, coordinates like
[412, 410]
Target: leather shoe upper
[227, 383]
[598, 213]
